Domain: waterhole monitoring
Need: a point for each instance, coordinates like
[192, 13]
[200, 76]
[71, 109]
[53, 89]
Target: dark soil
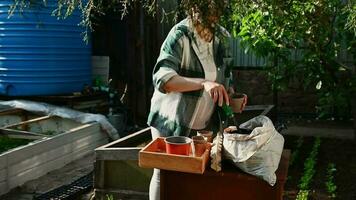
[340, 152]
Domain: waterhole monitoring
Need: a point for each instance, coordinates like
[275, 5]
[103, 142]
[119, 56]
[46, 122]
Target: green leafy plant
[109, 197]
[302, 195]
[330, 180]
[91, 9]
[9, 143]
[309, 171]
[303, 41]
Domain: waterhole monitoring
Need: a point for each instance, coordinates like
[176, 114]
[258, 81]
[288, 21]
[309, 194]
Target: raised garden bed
[339, 152]
[52, 143]
[116, 170]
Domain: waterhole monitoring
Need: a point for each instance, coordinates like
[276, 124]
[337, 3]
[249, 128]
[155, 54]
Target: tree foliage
[304, 41]
[319, 32]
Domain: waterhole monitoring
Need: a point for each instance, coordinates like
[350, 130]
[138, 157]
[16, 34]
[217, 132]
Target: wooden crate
[46, 152]
[116, 170]
[154, 156]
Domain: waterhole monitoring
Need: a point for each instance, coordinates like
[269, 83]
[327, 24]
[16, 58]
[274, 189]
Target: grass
[7, 143]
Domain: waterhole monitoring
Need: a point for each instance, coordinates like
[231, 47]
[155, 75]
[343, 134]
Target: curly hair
[201, 10]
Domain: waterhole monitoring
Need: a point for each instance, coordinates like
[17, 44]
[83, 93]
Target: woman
[191, 76]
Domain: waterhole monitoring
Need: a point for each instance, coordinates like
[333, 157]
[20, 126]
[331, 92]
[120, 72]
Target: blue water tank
[40, 54]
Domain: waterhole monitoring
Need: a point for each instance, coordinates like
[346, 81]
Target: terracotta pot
[199, 145]
[208, 135]
[237, 102]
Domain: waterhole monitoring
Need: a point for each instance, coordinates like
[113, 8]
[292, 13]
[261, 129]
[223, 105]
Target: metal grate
[70, 191]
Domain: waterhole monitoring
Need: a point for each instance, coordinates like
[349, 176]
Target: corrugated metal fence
[244, 59]
[248, 60]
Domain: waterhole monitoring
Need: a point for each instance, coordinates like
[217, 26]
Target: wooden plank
[79, 153]
[56, 125]
[29, 121]
[24, 118]
[257, 107]
[89, 149]
[21, 134]
[37, 147]
[3, 188]
[11, 111]
[56, 163]
[128, 139]
[78, 144]
[99, 174]
[49, 154]
[25, 137]
[7, 131]
[3, 161]
[122, 153]
[73, 148]
[267, 109]
[9, 119]
[3, 174]
[126, 175]
[83, 126]
[38, 160]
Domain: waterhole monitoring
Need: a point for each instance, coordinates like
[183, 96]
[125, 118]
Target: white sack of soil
[257, 153]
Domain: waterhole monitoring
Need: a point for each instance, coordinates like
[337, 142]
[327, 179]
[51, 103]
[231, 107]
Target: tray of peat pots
[176, 153]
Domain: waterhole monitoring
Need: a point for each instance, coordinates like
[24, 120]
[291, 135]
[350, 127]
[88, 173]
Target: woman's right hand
[216, 91]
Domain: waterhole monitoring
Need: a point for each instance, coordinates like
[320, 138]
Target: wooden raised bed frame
[116, 170]
[45, 153]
